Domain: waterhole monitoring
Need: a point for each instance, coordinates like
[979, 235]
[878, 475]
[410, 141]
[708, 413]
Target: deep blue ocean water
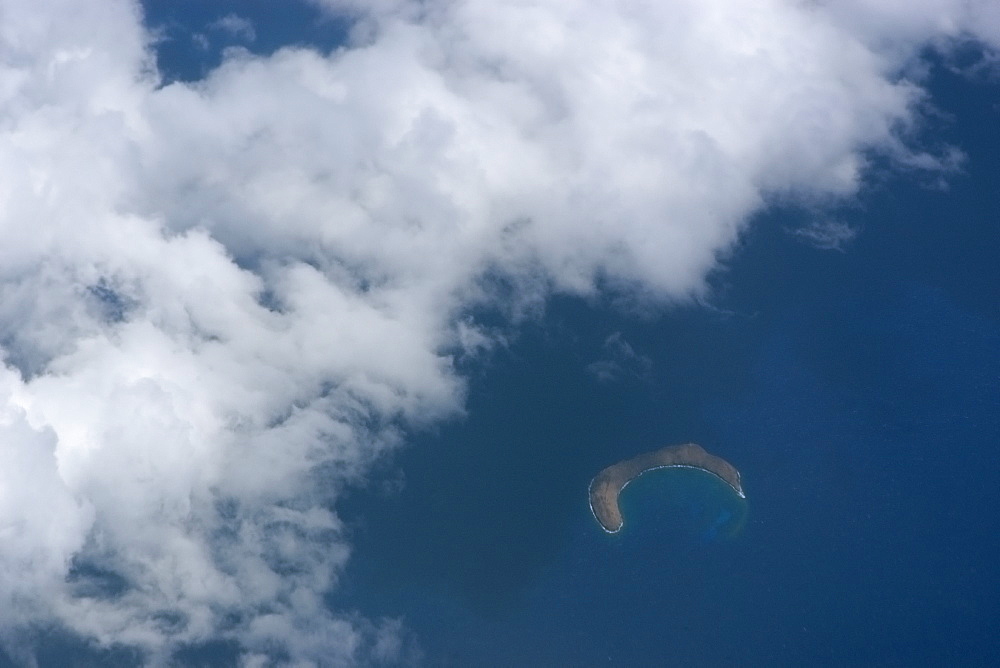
[858, 392]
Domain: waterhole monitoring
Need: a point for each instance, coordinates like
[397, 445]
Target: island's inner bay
[608, 484]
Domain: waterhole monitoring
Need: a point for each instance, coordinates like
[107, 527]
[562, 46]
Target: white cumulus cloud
[221, 301]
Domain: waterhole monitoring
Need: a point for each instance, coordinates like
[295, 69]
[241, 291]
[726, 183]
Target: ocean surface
[858, 392]
[856, 389]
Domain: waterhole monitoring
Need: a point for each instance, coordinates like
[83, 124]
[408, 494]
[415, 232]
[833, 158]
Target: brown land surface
[606, 485]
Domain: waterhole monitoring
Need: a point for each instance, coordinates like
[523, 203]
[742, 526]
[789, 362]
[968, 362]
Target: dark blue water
[192, 41]
[857, 391]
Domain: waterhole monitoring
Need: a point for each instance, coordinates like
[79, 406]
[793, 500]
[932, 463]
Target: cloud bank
[221, 301]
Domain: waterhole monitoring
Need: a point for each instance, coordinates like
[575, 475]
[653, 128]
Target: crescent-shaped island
[608, 484]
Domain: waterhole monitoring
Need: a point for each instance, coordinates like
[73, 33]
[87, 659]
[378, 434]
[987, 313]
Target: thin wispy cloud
[221, 302]
[620, 360]
[826, 234]
[237, 26]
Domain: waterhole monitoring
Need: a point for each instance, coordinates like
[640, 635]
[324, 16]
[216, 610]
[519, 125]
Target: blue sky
[317, 320]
